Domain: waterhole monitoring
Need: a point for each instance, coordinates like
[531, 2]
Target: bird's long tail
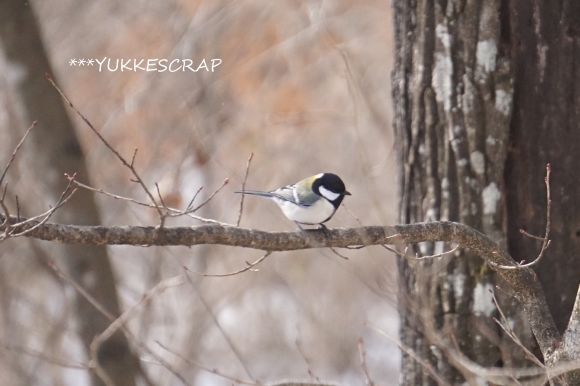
[255, 193]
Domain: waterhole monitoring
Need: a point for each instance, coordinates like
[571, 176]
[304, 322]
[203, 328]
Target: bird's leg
[324, 229]
[300, 229]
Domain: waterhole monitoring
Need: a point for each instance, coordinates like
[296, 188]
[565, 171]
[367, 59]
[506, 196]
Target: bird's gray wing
[296, 196]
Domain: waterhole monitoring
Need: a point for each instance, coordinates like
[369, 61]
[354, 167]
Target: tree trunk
[453, 93]
[59, 152]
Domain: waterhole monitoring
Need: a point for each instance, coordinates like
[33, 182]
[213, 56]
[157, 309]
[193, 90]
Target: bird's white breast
[317, 213]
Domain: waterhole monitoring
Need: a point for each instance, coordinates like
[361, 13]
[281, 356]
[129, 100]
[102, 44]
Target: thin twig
[100, 372]
[417, 257]
[450, 252]
[130, 313]
[44, 357]
[17, 208]
[2, 202]
[61, 201]
[5, 223]
[298, 344]
[115, 196]
[207, 220]
[355, 247]
[160, 197]
[363, 362]
[130, 166]
[226, 181]
[164, 215]
[214, 319]
[173, 212]
[545, 240]
[512, 335]
[213, 370]
[193, 199]
[454, 341]
[338, 254]
[512, 296]
[134, 155]
[531, 236]
[16, 151]
[352, 214]
[426, 365]
[243, 189]
[128, 334]
[249, 267]
[48, 214]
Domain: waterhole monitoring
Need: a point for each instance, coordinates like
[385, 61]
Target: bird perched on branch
[312, 201]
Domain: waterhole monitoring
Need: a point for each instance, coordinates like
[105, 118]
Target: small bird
[312, 201]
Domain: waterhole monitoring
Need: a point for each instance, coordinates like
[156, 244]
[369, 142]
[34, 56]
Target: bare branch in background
[2, 200]
[15, 152]
[10, 230]
[43, 356]
[172, 212]
[545, 241]
[363, 362]
[122, 320]
[193, 198]
[504, 324]
[417, 257]
[212, 370]
[249, 267]
[180, 213]
[118, 325]
[243, 189]
[352, 214]
[130, 166]
[338, 254]
[424, 364]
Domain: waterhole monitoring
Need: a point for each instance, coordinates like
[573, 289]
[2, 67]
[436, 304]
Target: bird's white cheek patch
[328, 194]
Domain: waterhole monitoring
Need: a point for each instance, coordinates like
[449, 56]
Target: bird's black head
[331, 187]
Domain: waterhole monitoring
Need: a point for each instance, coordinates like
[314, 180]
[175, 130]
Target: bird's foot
[324, 229]
[299, 229]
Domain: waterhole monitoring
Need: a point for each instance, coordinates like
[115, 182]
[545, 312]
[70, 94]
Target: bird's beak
[347, 193]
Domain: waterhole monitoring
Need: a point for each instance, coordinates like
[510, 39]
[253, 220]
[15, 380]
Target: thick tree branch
[523, 280]
[204, 234]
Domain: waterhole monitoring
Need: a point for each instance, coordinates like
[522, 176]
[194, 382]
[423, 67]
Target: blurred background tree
[57, 151]
[303, 85]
